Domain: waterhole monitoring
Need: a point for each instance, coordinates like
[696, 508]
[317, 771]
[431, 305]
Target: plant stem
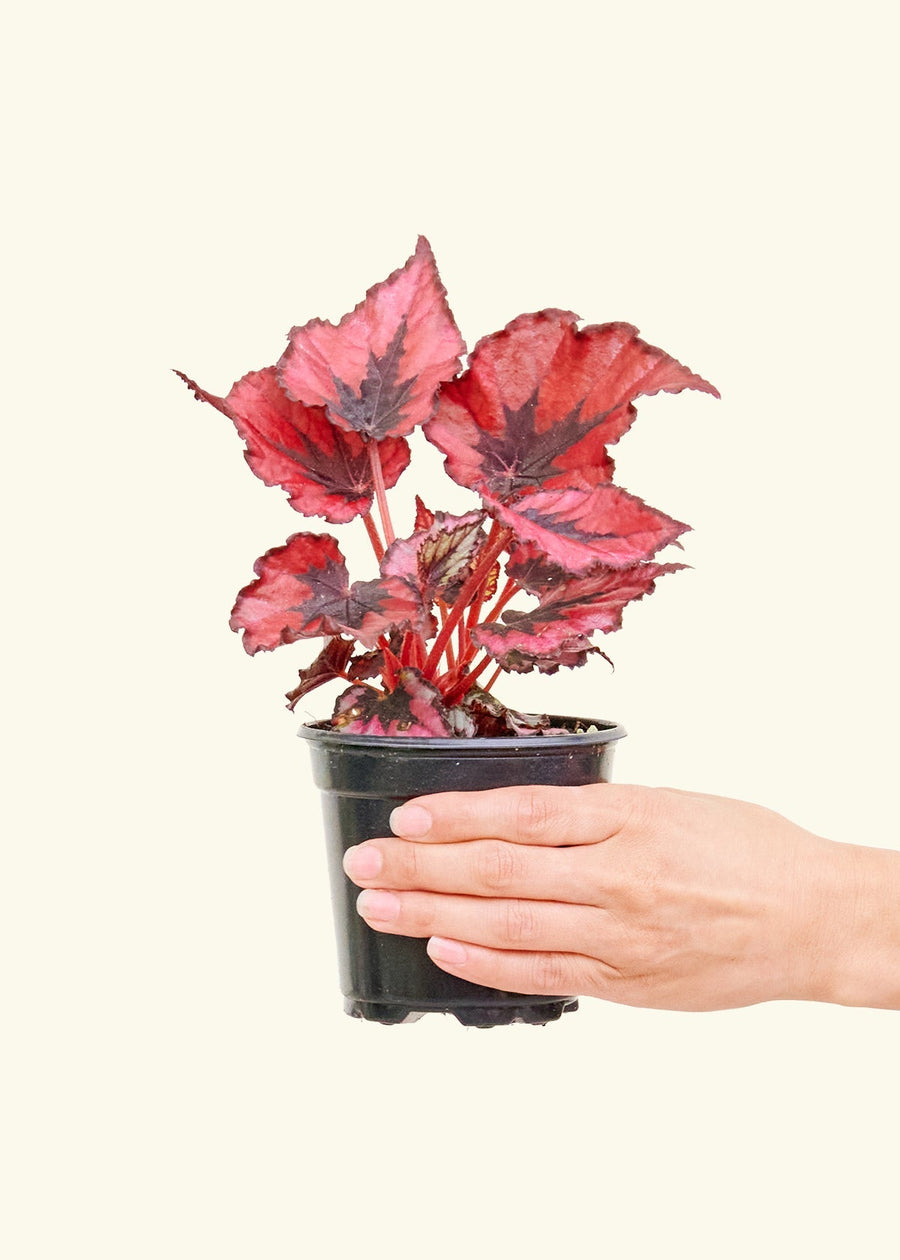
[465, 684]
[461, 640]
[380, 495]
[390, 661]
[444, 612]
[493, 678]
[509, 590]
[495, 544]
[374, 538]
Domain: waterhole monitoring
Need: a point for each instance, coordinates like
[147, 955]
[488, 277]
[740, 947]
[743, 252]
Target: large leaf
[438, 559]
[568, 608]
[414, 707]
[579, 529]
[303, 590]
[325, 472]
[541, 401]
[377, 371]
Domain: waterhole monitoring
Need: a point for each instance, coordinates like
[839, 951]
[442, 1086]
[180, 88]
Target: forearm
[861, 929]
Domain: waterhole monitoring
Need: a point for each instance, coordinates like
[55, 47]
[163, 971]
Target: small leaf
[493, 719]
[325, 472]
[302, 590]
[438, 560]
[366, 665]
[415, 707]
[579, 529]
[328, 665]
[540, 402]
[378, 370]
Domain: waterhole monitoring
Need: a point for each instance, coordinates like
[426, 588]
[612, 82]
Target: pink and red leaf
[579, 529]
[325, 472]
[377, 371]
[568, 610]
[540, 401]
[414, 707]
[302, 590]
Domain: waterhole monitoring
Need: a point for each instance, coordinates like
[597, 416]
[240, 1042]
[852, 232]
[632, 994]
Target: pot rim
[323, 732]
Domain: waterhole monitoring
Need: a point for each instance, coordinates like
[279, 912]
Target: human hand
[645, 896]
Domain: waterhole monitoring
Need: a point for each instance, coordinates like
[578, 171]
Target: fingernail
[442, 950]
[363, 861]
[410, 821]
[380, 907]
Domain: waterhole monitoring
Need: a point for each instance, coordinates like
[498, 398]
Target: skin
[645, 896]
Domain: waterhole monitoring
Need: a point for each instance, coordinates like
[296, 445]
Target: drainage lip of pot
[362, 778]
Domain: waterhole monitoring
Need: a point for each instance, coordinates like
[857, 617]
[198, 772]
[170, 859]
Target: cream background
[187, 183]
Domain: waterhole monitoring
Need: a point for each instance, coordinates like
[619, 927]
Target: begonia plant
[526, 426]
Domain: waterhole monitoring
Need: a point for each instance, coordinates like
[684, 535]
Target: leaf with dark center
[579, 529]
[438, 560]
[414, 707]
[325, 472]
[302, 590]
[567, 611]
[377, 371]
[540, 401]
[328, 665]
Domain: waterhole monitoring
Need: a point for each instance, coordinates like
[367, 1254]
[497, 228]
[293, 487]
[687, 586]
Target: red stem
[509, 590]
[460, 688]
[493, 678]
[380, 495]
[374, 537]
[462, 641]
[444, 611]
[390, 661]
[497, 540]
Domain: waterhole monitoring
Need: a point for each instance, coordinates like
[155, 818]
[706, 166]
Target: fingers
[504, 923]
[481, 868]
[515, 971]
[522, 815]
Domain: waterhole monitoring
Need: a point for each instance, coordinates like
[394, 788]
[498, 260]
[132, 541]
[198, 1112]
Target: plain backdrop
[185, 183]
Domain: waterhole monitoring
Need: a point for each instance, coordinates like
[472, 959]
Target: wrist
[855, 947]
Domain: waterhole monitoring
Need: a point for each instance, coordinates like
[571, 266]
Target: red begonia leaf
[377, 371]
[567, 611]
[302, 590]
[530, 569]
[414, 707]
[579, 529]
[569, 654]
[438, 560]
[540, 401]
[366, 665]
[325, 472]
[329, 664]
